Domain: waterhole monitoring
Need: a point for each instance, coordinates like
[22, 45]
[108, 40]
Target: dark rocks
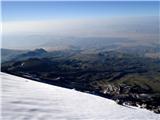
[123, 96]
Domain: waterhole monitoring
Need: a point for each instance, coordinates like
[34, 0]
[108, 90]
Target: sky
[37, 22]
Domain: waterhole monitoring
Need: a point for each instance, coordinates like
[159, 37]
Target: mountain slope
[25, 99]
[8, 54]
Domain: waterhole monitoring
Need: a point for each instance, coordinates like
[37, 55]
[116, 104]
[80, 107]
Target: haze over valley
[107, 49]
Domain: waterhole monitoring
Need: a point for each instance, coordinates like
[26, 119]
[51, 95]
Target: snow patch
[33, 100]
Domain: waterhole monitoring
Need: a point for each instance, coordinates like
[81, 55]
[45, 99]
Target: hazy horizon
[28, 25]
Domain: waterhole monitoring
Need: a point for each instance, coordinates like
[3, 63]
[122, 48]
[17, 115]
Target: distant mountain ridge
[88, 45]
[37, 53]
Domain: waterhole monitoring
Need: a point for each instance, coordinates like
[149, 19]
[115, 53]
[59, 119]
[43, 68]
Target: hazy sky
[27, 24]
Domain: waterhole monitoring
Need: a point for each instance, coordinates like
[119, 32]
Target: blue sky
[27, 24]
[20, 11]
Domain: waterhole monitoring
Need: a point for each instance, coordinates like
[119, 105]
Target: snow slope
[24, 99]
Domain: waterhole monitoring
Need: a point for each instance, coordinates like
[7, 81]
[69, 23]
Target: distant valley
[127, 74]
